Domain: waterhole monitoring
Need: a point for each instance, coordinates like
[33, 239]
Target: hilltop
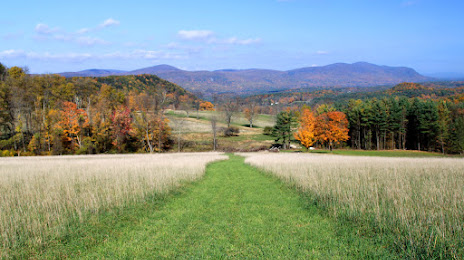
[249, 81]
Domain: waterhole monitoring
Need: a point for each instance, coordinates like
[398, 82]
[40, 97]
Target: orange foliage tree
[306, 132]
[331, 127]
[206, 106]
[72, 123]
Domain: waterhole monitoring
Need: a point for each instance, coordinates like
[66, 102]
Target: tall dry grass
[418, 203]
[39, 196]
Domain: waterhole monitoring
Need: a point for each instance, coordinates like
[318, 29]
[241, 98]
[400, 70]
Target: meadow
[415, 205]
[260, 121]
[195, 129]
[42, 196]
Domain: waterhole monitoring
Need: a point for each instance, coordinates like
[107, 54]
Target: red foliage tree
[121, 126]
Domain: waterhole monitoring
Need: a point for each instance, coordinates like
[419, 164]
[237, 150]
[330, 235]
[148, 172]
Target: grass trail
[235, 211]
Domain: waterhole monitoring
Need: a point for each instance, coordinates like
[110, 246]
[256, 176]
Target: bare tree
[214, 128]
[250, 111]
[230, 107]
[160, 100]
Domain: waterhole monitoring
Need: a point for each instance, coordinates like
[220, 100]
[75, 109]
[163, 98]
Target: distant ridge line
[359, 74]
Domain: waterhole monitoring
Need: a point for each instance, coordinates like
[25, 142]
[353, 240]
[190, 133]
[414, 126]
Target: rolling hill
[250, 81]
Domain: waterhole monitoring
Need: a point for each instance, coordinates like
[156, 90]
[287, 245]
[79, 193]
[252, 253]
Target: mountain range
[250, 81]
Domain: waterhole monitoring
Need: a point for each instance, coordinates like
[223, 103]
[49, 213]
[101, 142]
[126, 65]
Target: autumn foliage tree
[121, 127]
[51, 114]
[72, 124]
[153, 132]
[206, 106]
[306, 131]
[331, 127]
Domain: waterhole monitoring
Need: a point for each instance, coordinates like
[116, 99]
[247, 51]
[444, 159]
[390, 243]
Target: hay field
[261, 120]
[418, 203]
[41, 195]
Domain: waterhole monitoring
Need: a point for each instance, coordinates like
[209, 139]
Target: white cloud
[44, 56]
[195, 34]
[172, 45]
[109, 22]
[45, 29]
[11, 54]
[44, 32]
[81, 40]
[210, 38]
[156, 55]
[83, 30]
[90, 41]
[175, 46]
[234, 40]
[322, 52]
[76, 57]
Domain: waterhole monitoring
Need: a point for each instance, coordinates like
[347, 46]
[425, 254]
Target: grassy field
[198, 133]
[41, 197]
[382, 153]
[238, 119]
[416, 204]
[236, 211]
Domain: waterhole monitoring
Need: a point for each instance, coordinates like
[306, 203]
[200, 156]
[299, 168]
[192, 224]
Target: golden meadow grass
[418, 202]
[40, 195]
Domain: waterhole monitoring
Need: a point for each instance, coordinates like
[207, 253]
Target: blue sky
[58, 36]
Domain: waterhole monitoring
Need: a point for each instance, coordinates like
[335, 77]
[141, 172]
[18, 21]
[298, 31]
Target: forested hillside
[408, 116]
[252, 81]
[51, 114]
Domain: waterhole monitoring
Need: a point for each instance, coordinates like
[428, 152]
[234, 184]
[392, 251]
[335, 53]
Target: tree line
[50, 114]
[406, 123]
[377, 124]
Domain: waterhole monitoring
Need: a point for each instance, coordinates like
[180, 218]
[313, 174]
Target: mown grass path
[235, 211]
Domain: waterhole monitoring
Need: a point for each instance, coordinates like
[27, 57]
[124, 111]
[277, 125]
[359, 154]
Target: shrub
[231, 131]
[267, 130]
[5, 153]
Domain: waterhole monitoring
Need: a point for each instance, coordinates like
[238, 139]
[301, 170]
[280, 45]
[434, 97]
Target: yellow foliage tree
[305, 133]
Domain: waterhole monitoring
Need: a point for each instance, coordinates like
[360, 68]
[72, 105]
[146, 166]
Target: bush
[231, 131]
[87, 147]
[267, 130]
[5, 153]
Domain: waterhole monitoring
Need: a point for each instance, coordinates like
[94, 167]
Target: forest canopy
[51, 114]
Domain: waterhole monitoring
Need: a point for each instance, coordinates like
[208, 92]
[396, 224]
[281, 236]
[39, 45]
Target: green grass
[238, 119]
[257, 137]
[236, 211]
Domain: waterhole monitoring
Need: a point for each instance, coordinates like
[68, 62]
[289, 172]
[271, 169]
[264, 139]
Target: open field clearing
[261, 120]
[199, 133]
[188, 125]
[417, 204]
[40, 196]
